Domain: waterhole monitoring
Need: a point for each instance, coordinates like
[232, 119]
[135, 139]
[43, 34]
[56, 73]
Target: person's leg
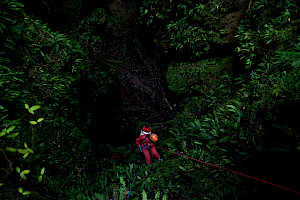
[154, 153]
[147, 156]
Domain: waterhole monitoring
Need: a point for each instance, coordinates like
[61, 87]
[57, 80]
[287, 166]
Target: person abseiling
[146, 141]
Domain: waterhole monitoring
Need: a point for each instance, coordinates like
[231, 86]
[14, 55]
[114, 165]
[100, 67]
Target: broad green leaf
[22, 151]
[157, 195]
[20, 190]
[22, 176]
[182, 168]
[1, 184]
[232, 106]
[214, 132]
[11, 149]
[43, 171]
[26, 171]
[26, 155]
[33, 108]
[29, 150]
[40, 179]
[144, 195]
[26, 193]
[25, 145]
[26, 106]
[29, 110]
[10, 129]
[122, 181]
[2, 133]
[40, 119]
[197, 142]
[231, 110]
[33, 122]
[13, 135]
[164, 197]
[18, 169]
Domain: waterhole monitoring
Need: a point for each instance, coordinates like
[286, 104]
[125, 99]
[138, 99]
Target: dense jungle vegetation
[218, 81]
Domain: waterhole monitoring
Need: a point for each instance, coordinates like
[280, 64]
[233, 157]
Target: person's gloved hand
[138, 145]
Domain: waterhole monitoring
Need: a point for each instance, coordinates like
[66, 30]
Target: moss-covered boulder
[201, 76]
[195, 83]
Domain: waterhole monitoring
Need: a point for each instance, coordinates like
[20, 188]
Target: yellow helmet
[153, 137]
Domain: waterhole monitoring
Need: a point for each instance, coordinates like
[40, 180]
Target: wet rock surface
[138, 95]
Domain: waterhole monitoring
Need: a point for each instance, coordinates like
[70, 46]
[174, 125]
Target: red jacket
[144, 141]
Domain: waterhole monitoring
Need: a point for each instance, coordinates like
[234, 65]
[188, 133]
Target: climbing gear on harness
[147, 128]
[153, 137]
[144, 147]
[132, 183]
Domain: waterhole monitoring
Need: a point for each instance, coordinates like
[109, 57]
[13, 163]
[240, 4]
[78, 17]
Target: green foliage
[46, 155]
[270, 51]
[12, 144]
[183, 26]
[234, 128]
[42, 68]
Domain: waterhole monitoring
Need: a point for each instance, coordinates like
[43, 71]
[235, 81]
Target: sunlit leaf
[144, 195]
[26, 155]
[26, 106]
[26, 171]
[25, 145]
[2, 134]
[18, 169]
[10, 129]
[40, 119]
[26, 193]
[157, 195]
[22, 176]
[33, 122]
[22, 151]
[33, 108]
[40, 179]
[164, 197]
[182, 168]
[20, 190]
[13, 135]
[11, 149]
[29, 150]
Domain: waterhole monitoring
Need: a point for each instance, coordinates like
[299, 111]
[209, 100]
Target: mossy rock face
[99, 16]
[201, 76]
[95, 20]
[195, 83]
[117, 9]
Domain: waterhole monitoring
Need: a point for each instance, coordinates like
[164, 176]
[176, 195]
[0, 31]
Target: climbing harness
[144, 147]
[285, 188]
[132, 183]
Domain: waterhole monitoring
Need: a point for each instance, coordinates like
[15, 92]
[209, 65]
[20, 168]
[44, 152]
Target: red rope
[285, 188]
